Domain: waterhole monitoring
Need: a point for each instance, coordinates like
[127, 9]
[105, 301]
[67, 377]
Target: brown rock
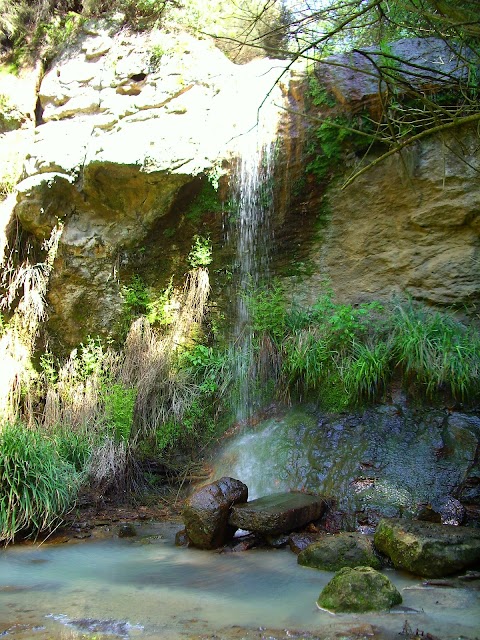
[206, 512]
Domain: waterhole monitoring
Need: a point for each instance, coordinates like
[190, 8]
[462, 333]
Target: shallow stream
[146, 588]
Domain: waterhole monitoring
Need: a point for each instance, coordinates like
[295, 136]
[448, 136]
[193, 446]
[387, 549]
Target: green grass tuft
[37, 486]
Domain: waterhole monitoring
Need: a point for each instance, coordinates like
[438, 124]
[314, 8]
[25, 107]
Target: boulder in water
[332, 553]
[358, 590]
[426, 548]
[206, 512]
[277, 513]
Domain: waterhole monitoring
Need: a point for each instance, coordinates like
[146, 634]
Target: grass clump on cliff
[345, 355]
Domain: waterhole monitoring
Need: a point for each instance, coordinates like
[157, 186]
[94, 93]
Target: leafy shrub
[437, 351]
[73, 445]
[201, 252]
[37, 486]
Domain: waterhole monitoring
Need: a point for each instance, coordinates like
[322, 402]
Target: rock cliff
[130, 128]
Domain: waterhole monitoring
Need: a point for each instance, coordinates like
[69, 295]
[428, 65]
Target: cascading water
[252, 180]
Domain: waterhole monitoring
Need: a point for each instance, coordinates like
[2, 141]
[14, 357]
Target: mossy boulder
[357, 590]
[332, 553]
[426, 548]
[277, 513]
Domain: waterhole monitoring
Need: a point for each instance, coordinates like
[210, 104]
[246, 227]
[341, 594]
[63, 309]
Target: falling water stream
[253, 196]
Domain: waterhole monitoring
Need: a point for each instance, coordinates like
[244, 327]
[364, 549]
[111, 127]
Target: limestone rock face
[277, 513]
[410, 225]
[428, 549]
[130, 123]
[357, 590]
[206, 512]
[332, 553]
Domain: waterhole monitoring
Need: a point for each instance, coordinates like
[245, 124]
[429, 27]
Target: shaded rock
[446, 510]
[277, 541]
[277, 513]
[303, 449]
[206, 512]
[358, 590]
[181, 539]
[127, 530]
[426, 548]
[332, 553]
[300, 541]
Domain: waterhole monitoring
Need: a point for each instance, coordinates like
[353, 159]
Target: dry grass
[164, 390]
[28, 283]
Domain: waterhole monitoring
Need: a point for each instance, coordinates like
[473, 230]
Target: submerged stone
[332, 553]
[206, 512]
[358, 590]
[127, 530]
[426, 548]
[277, 513]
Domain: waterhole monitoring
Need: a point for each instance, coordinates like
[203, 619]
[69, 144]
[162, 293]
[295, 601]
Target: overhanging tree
[416, 98]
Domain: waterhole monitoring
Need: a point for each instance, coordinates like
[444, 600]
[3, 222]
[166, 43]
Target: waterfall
[253, 196]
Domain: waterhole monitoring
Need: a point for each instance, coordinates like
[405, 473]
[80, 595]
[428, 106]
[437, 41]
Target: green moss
[359, 590]
[343, 550]
[207, 201]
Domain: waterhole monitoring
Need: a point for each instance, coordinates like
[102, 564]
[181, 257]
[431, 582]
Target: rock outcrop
[206, 513]
[428, 549]
[358, 590]
[131, 126]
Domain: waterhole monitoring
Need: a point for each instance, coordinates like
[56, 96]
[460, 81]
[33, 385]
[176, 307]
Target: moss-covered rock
[277, 513]
[332, 553]
[358, 590]
[426, 548]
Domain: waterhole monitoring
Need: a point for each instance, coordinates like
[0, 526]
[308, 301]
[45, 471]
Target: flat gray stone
[277, 513]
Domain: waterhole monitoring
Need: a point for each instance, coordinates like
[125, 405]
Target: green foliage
[318, 95]
[37, 486]
[73, 445]
[119, 407]
[333, 138]
[437, 351]
[344, 354]
[139, 301]
[159, 309]
[207, 201]
[90, 359]
[201, 252]
[135, 296]
[156, 54]
[267, 310]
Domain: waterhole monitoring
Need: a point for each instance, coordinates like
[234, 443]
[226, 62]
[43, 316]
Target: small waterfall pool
[146, 587]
